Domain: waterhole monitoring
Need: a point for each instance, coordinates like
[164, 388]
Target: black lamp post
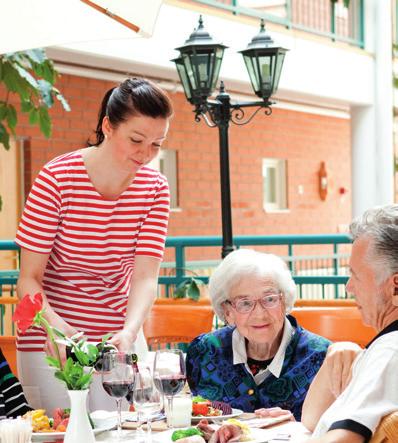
[198, 67]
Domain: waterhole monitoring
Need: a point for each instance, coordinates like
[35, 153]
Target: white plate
[296, 430]
[235, 413]
[52, 436]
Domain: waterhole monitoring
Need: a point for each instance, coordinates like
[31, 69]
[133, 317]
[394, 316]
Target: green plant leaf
[193, 290]
[37, 55]
[53, 362]
[45, 90]
[26, 75]
[85, 381]
[62, 99]
[1, 203]
[12, 118]
[44, 121]
[26, 106]
[34, 116]
[181, 290]
[82, 357]
[4, 137]
[60, 375]
[3, 110]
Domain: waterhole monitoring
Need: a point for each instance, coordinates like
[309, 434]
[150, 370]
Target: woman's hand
[338, 361]
[123, 340]
[49, 348]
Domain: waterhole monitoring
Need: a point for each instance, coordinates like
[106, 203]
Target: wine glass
[147, 399]
[117, 380]
[169, 376]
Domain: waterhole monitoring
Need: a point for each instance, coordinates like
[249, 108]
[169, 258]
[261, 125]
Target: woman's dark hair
[132, 97]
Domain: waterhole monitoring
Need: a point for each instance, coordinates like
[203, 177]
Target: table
[295, 430]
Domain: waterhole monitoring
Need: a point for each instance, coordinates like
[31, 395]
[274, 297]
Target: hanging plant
[31, 76]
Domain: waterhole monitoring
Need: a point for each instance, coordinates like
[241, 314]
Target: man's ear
[395, 290]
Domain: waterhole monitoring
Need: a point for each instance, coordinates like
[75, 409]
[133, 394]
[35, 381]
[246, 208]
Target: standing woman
[92, 234]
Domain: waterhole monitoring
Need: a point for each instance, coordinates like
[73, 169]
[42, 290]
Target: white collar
[275, 367]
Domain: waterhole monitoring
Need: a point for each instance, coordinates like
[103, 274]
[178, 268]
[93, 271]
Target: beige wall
[10, 191]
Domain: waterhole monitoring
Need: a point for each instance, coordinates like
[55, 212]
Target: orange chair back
[172, 323]
[9, 348]
[335, 323]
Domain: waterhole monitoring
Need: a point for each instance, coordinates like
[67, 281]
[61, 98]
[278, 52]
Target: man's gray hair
[248, 263]
[381, 225]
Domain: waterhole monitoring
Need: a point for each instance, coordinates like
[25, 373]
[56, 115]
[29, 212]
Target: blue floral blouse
[212, 374]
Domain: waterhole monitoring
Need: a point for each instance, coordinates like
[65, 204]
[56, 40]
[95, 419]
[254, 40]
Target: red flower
[25, 313]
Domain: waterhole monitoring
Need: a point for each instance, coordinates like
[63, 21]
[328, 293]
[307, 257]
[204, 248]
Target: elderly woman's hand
[273, 412]
[338, 361]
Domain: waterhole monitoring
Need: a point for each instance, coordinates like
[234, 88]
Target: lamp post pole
[223, 126]
[198, 67]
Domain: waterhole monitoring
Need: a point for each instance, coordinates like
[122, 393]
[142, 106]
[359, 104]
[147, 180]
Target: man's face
[369, 295]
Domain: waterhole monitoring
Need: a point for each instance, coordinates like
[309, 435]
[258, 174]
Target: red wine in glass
[117, 389]
[169, 375]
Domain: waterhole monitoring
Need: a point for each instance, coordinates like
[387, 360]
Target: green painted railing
[318, 276]
[181, 268]
[322, 17]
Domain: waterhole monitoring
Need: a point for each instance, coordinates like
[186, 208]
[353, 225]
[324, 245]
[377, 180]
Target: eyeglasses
[246, 305]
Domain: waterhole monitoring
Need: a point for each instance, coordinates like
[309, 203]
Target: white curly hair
[245, 263]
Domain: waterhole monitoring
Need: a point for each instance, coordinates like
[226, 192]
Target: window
[274, 184]
[166, 163]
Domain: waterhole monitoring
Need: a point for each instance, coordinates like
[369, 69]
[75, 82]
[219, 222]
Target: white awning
[28, 24]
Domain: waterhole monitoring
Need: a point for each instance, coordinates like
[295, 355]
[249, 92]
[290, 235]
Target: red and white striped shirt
[92, 243]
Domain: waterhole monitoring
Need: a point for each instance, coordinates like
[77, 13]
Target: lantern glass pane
[278, 70]
[253, 74]
[218, 55]
[266, 68]
[203, 60]
[186, 59]
[184, 79]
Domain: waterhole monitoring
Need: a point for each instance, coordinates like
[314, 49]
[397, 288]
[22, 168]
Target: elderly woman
[262, 358]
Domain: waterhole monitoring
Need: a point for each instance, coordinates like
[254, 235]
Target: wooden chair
[171, 323]
[387, 431]
[9, 348]
[337, 323]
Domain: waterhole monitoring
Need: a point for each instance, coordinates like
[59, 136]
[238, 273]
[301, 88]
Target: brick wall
[303, 139]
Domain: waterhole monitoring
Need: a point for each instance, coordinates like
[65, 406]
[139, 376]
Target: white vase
[79, 428]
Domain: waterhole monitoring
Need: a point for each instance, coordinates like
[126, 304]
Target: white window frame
[280, 167]
[166, 163]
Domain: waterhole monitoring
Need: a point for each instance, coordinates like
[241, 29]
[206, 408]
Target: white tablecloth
[296, 431]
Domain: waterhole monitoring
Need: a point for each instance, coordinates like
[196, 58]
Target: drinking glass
[169, 376]
[117, 380]
[147, 399]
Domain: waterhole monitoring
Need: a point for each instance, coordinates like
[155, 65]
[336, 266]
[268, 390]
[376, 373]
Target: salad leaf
[199, 399]
[182, 433]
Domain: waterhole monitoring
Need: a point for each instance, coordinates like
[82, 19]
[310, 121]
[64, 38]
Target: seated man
[12, 399]
[372, 393]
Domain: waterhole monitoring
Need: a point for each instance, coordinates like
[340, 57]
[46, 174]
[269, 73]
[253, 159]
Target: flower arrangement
[77, 371]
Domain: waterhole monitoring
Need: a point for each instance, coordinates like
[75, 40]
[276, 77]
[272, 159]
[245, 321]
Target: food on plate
[230, 431]
[61, 419]
[42, 423]
[182, 433]
[201, 407]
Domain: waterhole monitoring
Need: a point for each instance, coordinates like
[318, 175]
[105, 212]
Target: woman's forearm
[140, 302]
